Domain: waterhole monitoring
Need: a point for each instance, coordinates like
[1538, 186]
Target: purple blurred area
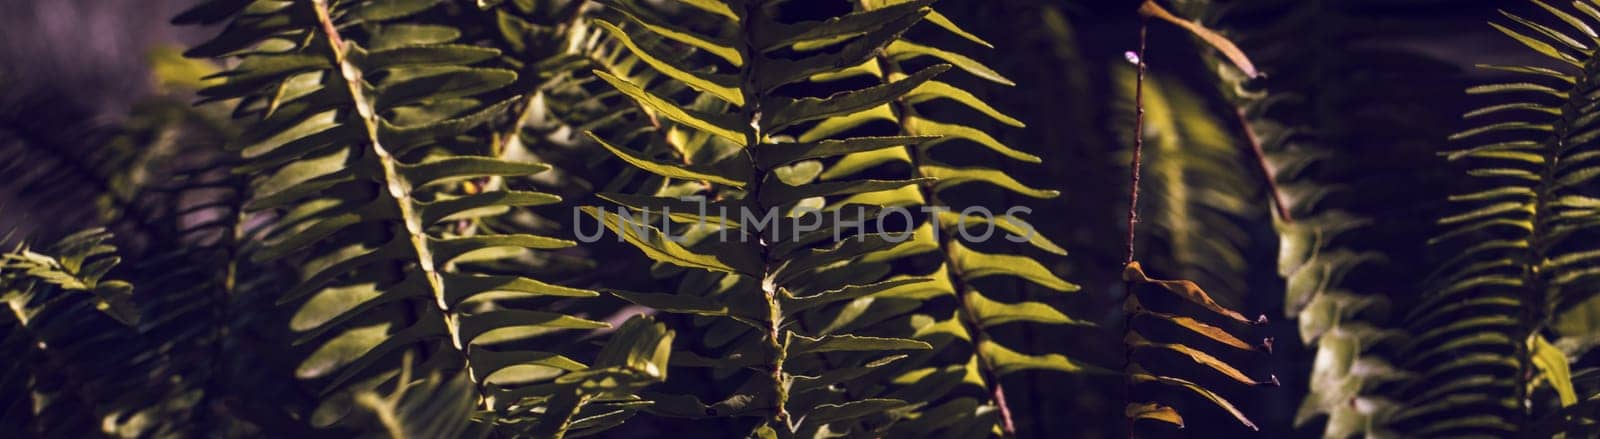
[69, 69]
[91, 52]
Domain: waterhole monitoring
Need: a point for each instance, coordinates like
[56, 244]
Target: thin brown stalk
[1261, 163]
[1135, 166]
[1136, 163]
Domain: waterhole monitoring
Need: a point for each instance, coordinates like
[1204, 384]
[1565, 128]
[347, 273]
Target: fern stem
[1136, 163]
[395, 187]
[1260, 157]
[1134, 166]
[904, 112]
[1530, 316]
[753, 138]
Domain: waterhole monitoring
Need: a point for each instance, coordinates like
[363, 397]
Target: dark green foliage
[74, 357]
[378, 221]
[1352, 254]
[371, 240]
[1522, 284]
[367, 146]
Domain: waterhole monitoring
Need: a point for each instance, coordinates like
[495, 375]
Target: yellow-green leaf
[1151, 9]
[1212, 332]
[1005, 361]
[717, 124]
[658, 247]
[851, 343]
[993, 313]
[1218, 400]
[669, 170]
[976, 265]
[952, 176]
[902, 50]
[722, 86]
[1553, 368]
[938, 90]
[1153, 411]
[1187, 290]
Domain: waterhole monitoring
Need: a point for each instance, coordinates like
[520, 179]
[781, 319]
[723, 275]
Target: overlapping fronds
[212, 307]
[363, 135]
[1200, 189]
[1351, 254]
[982, 284]
[437, 407]
[519, 218]
[431, 407]
[204, 328]
[786, 289]
[74, 365]
[190, 358]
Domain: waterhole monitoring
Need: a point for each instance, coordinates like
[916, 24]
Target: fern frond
[203, 328]
[434, 406]
[1349, 259]
[878, 307]
[770, 277]
[76, 366]
[1529, 258]
[362, 139]
[956, 239]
